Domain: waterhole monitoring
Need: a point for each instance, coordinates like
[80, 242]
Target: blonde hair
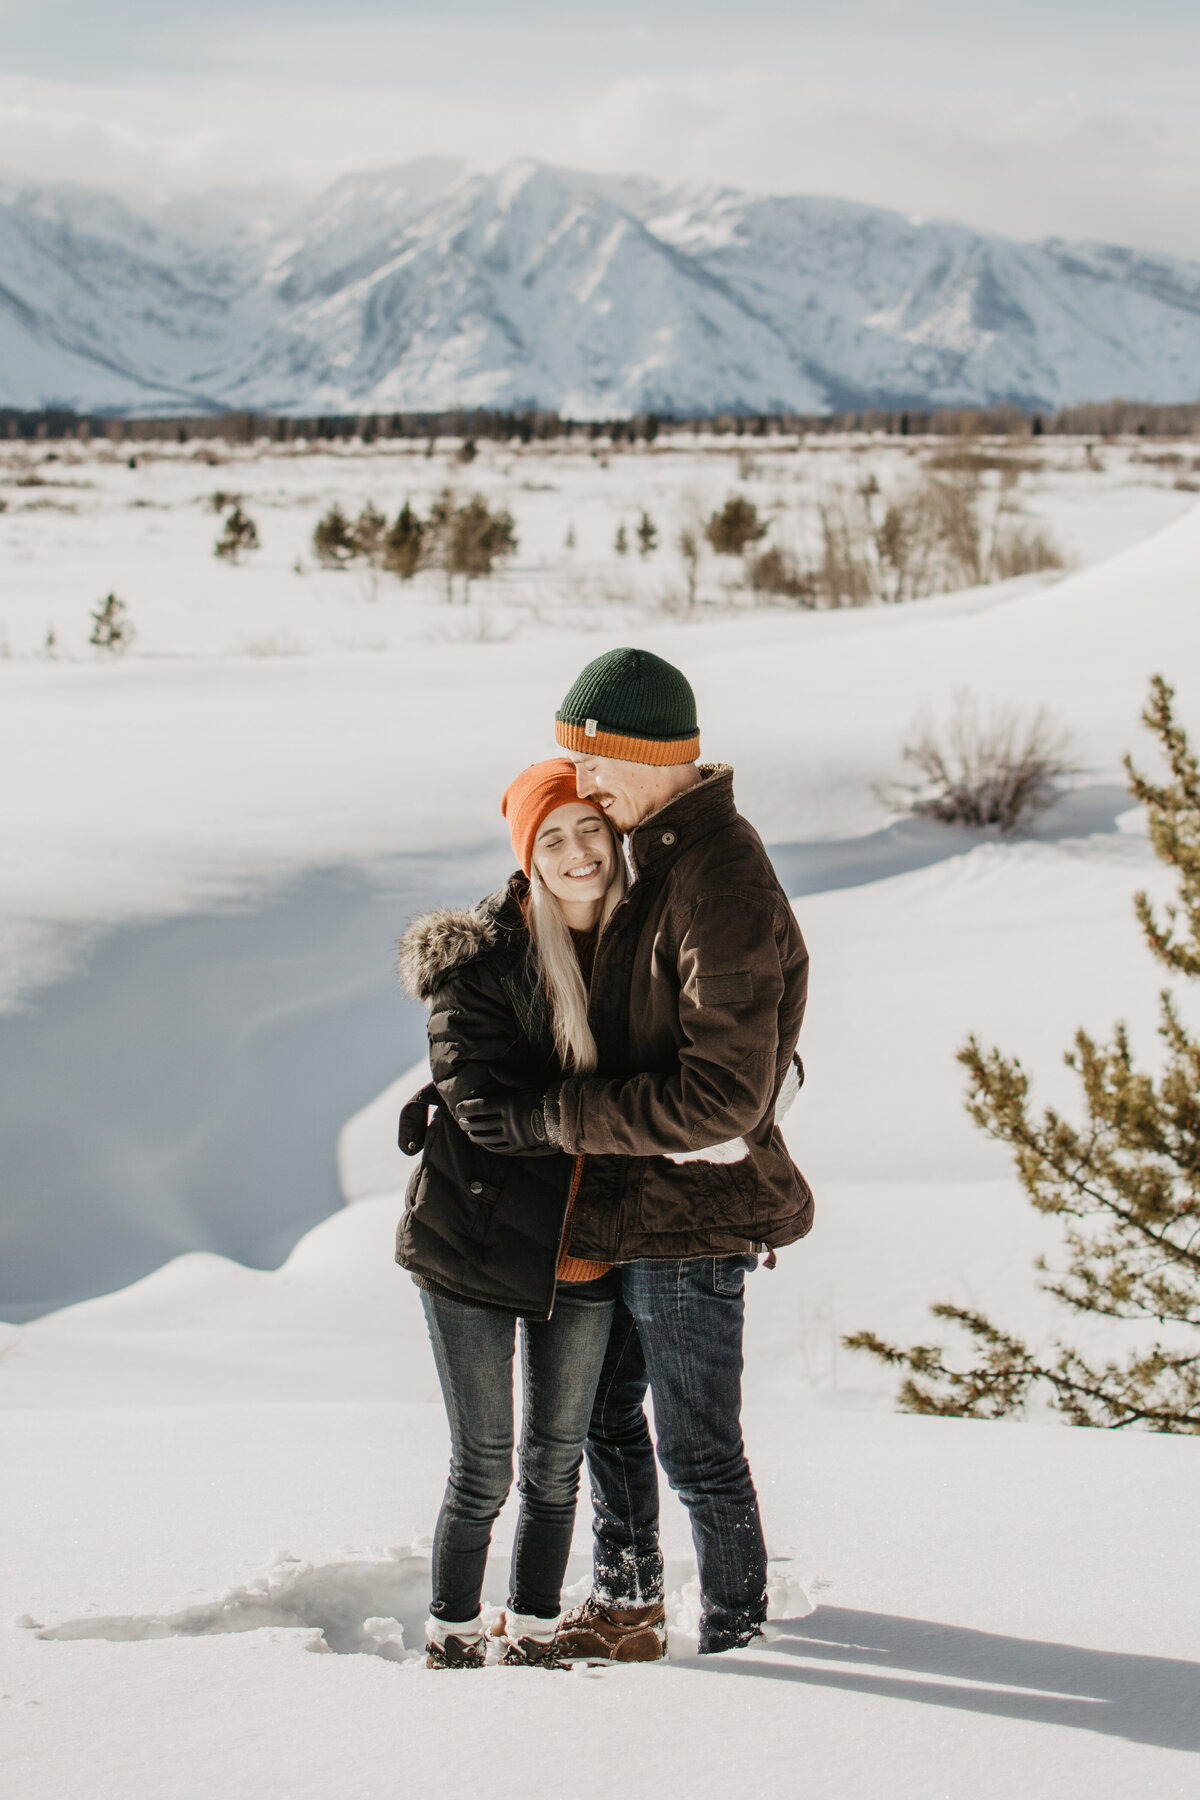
[566, 995]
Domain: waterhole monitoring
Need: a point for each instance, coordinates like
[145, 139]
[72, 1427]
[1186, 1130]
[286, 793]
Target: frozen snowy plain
[1002, 1610]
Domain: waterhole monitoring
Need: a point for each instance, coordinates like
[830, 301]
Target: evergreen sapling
[111, 628]
[240, 534]
[1126, 1183]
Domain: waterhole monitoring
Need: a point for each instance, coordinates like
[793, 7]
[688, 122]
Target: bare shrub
[942, 532]
[845, 575]
[985, 766]
[479, 626]
[688, 544]
[975, 460]
[775, 574]
[672, 600]
[1024, 550]
[953, 513]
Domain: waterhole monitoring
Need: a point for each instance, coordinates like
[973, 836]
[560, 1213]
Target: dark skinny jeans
[473, 1347]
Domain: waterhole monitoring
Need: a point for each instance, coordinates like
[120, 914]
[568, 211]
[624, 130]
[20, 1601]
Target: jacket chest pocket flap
[725, 990]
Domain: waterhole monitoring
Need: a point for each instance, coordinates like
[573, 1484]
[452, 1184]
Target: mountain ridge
[426, 286]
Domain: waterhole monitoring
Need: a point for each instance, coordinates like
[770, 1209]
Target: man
[696, 999]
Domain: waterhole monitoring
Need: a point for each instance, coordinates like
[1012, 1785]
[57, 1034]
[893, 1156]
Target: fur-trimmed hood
[448, 937]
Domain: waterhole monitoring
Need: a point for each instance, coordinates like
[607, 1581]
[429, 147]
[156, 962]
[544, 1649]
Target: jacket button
[411, 1144]
[668, 837]
[477, 1187]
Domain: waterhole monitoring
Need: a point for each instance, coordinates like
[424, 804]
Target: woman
[486, 1237]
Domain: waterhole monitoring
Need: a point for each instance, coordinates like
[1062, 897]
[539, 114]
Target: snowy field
[212, 1474]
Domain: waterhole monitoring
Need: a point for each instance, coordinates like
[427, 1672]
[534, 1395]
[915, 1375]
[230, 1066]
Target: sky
[1071, 118]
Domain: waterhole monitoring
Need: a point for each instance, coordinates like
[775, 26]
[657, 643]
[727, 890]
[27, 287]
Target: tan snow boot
[614, 1633]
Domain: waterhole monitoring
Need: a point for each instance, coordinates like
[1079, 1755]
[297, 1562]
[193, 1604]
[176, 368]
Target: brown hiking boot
[457, 1653]
[614, 1633]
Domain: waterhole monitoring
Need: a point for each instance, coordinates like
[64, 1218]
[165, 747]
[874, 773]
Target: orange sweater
[576, 1268]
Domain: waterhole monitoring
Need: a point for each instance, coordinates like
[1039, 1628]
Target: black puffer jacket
[481, 1227]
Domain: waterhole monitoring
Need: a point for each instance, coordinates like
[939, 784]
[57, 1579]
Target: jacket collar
[685, 818]
[449, 937]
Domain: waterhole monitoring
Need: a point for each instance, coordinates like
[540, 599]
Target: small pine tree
[478, 539]
[240, 534]
[647, 535]
[621, 541]
[732, 530]
[468, 451]
[368, 534]
[333, 539]
[111, 628]
[404, 546]
[1127, 1184]
[569, 540]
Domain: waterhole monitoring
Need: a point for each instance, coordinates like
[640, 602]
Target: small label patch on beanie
[589, 729]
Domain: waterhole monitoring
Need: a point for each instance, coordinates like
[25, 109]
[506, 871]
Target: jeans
[473, 1348]
[677, 1329]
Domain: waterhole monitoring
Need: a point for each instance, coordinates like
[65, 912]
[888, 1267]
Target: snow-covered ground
[267, 722]
[1001, 1609]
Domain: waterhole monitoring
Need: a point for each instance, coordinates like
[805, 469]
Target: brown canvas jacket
[696, 1001]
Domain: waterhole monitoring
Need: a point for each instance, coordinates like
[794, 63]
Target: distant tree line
[1105, 419]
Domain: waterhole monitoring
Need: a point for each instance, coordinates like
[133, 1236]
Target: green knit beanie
[631, 705]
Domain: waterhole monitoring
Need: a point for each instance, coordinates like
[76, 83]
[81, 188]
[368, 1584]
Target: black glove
[509, 1124]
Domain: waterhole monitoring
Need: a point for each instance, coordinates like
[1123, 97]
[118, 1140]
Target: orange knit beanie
[532, 797]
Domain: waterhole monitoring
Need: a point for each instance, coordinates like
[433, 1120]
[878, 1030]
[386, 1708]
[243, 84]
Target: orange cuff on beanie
[532, 797]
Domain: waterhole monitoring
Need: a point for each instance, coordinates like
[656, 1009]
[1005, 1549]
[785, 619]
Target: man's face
[627, 791]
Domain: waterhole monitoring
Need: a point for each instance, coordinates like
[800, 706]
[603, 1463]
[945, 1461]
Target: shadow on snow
[1147, 1699]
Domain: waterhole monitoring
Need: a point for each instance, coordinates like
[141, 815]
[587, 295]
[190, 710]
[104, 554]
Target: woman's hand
[509, 1125]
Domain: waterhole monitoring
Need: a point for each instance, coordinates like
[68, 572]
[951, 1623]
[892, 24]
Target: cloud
[1122, 169]
[913, 127]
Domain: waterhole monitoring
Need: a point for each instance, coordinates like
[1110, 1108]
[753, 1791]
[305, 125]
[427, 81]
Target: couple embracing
[611, 1038]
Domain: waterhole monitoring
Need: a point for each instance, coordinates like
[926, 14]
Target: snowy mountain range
[425, 287]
